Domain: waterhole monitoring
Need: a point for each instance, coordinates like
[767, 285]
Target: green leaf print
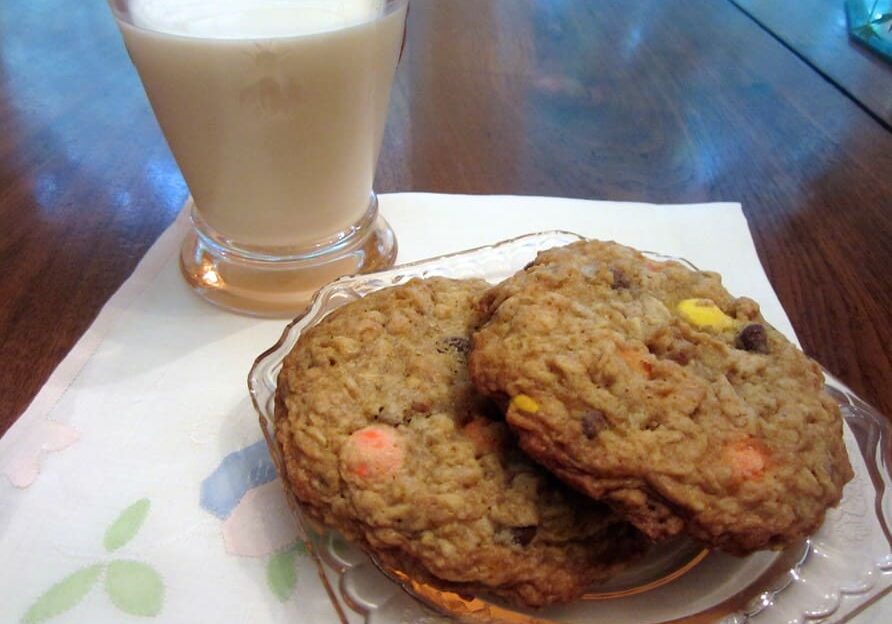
[134, 587]
[63, 595]
[127, 525]
[281, 575]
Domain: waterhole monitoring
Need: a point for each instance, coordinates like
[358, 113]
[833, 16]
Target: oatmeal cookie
[385, 439]
[646, 385]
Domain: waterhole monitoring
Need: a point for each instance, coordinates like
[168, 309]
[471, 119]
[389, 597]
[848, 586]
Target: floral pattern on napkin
[245, 493]
[44, 436]
[132, 586]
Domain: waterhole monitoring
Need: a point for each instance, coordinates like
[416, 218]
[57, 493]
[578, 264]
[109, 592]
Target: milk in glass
[274, 109]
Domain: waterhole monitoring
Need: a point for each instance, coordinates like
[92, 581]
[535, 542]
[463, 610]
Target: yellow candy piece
[704, 313]
[525, 403]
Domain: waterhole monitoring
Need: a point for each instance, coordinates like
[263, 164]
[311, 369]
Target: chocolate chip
[620, 279]
[529, 265]
[592, 423]
[458, 343]
[523, 535]
[422, 407]
[754, 338]
[679, 357]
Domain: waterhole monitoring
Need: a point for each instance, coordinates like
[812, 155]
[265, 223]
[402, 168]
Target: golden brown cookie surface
[385, 439]
[647, 385]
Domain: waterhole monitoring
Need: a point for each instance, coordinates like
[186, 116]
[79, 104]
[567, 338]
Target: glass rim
[121, 10]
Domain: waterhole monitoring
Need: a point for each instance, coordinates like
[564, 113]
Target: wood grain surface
[817, 30]
[661, 101]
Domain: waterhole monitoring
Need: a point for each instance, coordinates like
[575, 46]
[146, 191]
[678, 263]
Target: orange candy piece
[484, 435]
[748, 459]
[374, 452]
[635, 359]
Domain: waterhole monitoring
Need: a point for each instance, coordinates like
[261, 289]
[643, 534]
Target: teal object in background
[870, 23]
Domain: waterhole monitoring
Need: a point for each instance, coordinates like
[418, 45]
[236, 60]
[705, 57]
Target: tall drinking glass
[274, 111]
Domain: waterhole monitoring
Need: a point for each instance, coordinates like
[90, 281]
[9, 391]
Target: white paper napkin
[136, 483]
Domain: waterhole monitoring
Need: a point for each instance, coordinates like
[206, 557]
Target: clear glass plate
[845, 566]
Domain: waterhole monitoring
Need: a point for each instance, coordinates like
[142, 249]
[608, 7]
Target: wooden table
[660, 101]
[817, 31]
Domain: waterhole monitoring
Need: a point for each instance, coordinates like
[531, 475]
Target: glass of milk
[274, 111]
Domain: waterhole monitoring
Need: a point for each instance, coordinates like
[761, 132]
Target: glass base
[261, 286]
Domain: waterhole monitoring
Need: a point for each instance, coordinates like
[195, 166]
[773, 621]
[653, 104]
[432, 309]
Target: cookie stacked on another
[434, 423]
[646, 385]
[385, 438]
